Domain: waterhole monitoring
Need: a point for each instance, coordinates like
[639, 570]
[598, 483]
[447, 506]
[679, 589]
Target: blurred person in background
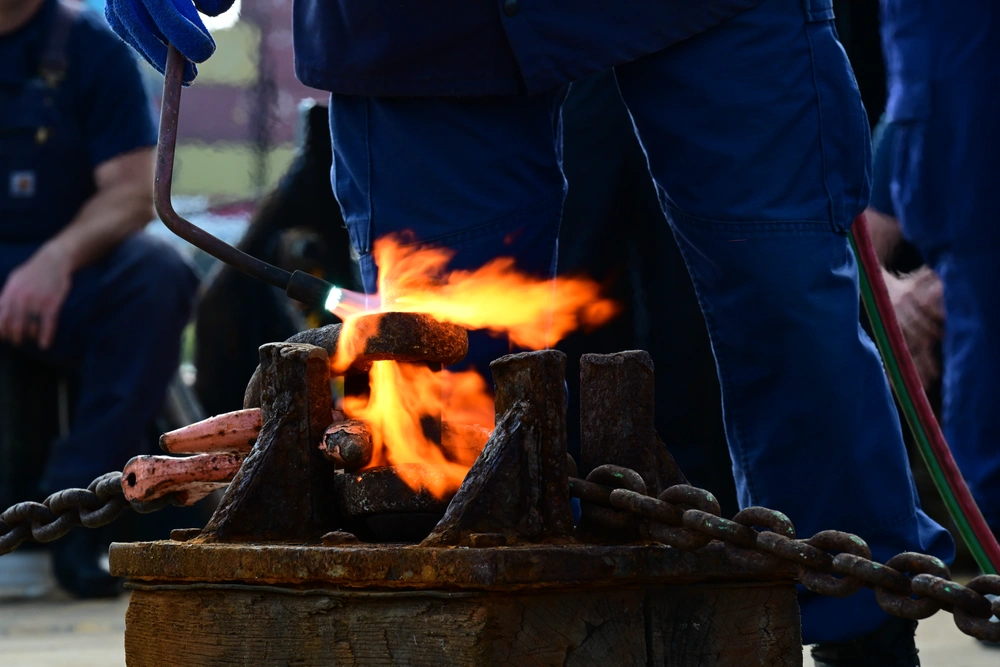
[944, 109]
[82, 288]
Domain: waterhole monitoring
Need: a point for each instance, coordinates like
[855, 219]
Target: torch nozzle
[342, 302]
[317, 292]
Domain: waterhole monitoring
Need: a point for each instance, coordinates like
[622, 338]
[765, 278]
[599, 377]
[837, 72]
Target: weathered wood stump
[601, 628]
[219, 605]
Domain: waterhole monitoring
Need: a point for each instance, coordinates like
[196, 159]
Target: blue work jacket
[484, 47]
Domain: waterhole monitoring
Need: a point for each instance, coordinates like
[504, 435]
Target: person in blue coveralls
[942, 61]
[445, 120]
[81, 287]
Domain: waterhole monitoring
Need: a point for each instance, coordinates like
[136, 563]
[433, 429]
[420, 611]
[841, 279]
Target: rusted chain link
[97, 505]
[832, 563]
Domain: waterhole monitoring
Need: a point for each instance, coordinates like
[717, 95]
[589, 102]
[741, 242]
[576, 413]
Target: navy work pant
[757, 141]
[119, 330]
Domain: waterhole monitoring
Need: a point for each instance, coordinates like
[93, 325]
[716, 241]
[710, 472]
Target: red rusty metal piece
[191, 478]
[229, 432]
[381, 491]
[232, 431]
[406, 337]
[347, 444]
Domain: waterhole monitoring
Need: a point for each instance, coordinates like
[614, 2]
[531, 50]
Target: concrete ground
[59, 632]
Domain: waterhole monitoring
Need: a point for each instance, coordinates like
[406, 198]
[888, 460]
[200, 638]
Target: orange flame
[406, 400]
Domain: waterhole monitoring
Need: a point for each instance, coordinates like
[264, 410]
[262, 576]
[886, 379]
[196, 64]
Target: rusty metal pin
[232, 431]
[191, 478]
[229, 432]
[348, 444]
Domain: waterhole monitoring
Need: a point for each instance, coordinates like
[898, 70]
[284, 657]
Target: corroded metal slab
[382, 566]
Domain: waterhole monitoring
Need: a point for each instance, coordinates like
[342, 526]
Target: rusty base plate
[374, 566]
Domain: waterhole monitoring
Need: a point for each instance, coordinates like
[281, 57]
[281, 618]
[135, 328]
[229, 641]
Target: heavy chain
[97, 505]
[831, 563]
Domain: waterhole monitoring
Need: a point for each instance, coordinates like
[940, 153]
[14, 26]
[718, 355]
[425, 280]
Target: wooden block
[724, 626]
[721, 625]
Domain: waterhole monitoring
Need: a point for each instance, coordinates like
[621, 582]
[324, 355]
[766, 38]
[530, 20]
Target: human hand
[32, 298]
[918, 300]
[148, 26]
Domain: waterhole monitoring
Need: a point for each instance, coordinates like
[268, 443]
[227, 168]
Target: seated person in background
[81, 287]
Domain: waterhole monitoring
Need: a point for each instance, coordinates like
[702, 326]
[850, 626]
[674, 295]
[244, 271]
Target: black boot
[76, 563]
[892, 645]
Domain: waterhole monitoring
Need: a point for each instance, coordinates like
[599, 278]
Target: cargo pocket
[845, 139]
[351, 171]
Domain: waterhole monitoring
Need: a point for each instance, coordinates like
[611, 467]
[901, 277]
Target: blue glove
[148, 26]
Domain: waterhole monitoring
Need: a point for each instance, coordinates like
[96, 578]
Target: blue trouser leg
[757, 140]
[120, 329]
[972, 373]
[946, 173]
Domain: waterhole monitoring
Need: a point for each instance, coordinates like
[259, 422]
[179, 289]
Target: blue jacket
[484, 47]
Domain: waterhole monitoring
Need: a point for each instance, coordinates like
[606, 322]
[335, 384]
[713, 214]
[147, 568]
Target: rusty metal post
[616, 418]
[283, 490]
[517, 489]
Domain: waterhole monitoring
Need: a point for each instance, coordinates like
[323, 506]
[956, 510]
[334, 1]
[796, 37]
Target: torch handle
[301, 287]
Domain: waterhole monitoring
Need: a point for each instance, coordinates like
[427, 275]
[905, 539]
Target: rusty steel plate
[402, 337]
[381, 566]
[380, 491]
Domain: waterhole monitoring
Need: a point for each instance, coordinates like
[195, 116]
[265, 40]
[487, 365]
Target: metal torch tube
[164, 176]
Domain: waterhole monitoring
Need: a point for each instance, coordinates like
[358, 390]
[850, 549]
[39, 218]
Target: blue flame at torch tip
[334, 298]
